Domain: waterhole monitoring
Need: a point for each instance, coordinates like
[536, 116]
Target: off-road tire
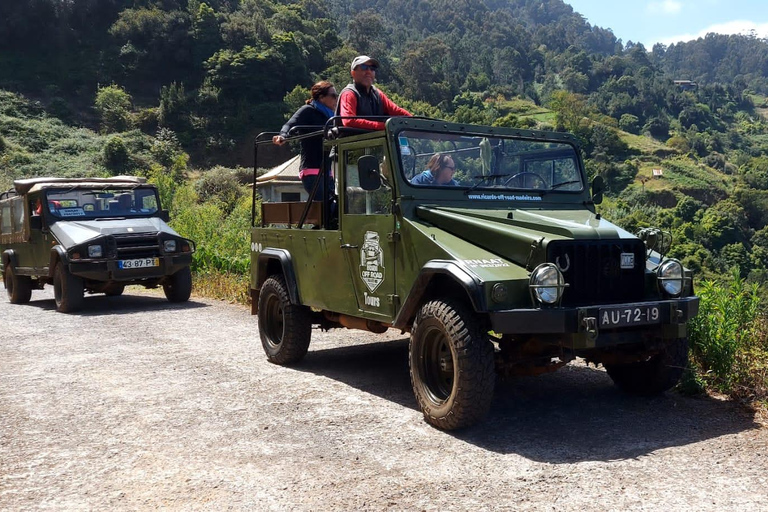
[178, 287]
[451, 365]
[285, 329]
[114, 290]
[19, 288]
[660, 373]
[67, 290]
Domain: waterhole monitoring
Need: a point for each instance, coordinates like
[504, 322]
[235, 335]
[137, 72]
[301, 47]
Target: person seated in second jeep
[440, 170]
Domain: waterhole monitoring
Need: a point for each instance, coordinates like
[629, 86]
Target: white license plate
[626, 316]
[139, 263]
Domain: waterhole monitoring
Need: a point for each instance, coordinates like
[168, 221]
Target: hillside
[144, 86]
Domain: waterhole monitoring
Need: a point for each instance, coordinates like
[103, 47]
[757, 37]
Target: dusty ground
[140, 404]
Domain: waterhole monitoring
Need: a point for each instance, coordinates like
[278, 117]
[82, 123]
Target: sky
[670, 21]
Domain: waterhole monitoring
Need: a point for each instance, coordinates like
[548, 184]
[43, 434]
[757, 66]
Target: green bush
[223, 239]
[114, 107]
[729, 347]
[222, 185]
[116, 154]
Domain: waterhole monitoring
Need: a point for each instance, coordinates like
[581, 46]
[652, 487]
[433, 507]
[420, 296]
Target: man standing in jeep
[361, 98]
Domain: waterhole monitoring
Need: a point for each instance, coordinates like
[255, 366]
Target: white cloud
[730, 27]
[664, 7]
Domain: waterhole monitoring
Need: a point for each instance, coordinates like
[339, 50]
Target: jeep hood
[70, 233]
[511, 234]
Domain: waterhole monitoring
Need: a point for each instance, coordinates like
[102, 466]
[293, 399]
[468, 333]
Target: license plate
[628, 316]
[139, 263]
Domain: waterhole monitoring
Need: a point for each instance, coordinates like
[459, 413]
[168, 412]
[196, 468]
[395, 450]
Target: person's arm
[348, 107]
[390, 108]
[295, 120]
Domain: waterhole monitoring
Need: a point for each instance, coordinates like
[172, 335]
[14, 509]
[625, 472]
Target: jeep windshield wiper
[558, 185]
[483, 178]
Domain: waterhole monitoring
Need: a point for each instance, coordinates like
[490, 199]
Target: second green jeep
[506, 268]
[92, 235]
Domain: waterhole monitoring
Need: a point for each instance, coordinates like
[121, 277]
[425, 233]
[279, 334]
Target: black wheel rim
[273, 320]
[436, 366]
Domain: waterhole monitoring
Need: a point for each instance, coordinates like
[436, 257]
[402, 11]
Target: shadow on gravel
[97, 305]
[569, 416]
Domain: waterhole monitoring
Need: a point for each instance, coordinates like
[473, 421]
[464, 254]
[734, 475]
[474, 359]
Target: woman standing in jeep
[318, 109]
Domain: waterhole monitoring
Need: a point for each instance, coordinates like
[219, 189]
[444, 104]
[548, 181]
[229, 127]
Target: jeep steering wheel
[527, 179]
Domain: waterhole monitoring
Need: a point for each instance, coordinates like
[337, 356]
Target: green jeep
[89, 234]
[506, 269]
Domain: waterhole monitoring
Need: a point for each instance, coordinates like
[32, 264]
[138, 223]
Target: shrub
[116, 154]
[728, 339]
[219, 184]
[114, 106]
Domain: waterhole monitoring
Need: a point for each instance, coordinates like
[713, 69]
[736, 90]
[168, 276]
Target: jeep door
[367, 231]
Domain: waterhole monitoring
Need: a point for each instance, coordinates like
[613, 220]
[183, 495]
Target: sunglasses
[449, 167]
[366, 67]
[333, 95]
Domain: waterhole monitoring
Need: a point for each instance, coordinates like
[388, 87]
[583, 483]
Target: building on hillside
[282, 183]
[686, 85]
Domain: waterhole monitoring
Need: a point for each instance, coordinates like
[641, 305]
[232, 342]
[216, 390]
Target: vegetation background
[176, 90]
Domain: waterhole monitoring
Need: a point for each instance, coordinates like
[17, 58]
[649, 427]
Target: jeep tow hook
[590, 326]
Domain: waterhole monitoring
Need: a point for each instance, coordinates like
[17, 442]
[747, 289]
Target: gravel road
[139, 404]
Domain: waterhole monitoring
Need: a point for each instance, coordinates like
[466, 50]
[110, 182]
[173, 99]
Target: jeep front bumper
[601, 325]
[109, 270]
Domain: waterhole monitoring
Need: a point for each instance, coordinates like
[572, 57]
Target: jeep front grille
[594, 273]
[136, 246]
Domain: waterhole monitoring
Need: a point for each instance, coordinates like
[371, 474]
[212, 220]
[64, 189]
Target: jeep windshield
[100, 203]
[477, 163]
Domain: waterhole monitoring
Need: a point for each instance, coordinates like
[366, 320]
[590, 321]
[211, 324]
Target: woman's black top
[311, 147]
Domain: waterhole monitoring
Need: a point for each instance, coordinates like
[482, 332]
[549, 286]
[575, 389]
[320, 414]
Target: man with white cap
[361, 98]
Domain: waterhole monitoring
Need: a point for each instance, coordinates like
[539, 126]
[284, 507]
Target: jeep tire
[178, 287]
[19, 288]
[285, 329]
[451, 365]
[660, 373]
[67, 290]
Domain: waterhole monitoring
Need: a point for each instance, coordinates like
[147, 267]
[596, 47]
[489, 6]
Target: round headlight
[94, 251]
[547, 283]
[670, 276]
[169, 246]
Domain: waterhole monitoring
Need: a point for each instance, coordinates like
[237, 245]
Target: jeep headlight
[547, 283]
[169, 246]
[670, 276]
[95, 251]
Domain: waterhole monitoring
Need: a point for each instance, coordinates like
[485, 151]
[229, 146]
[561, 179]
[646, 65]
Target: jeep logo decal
[371, 261]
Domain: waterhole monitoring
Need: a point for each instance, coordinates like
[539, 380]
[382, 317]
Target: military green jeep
[506, 268]
[89, 235]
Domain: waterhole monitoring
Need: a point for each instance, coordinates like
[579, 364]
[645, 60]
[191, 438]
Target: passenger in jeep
[440, 170]
[361, 98]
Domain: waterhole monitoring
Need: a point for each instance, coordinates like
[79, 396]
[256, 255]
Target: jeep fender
[272, 259]
[57, 254]
[9, 258]
[436, 279]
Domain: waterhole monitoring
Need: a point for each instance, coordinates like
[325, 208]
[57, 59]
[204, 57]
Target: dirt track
[140, 404]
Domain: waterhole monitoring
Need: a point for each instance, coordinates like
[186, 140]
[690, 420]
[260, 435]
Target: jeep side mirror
[368, 173]
[165, 216]
[598, 187]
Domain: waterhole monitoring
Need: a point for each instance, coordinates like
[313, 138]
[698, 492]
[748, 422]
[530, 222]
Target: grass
[225, 286]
